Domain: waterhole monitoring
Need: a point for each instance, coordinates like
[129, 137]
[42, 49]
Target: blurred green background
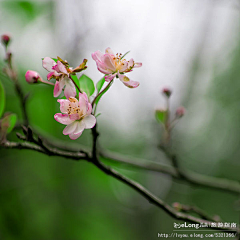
[45, 198]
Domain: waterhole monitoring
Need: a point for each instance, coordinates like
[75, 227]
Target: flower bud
[32, 76]
[167, 92]
[5, 39]
[180, 112]
[177, 206]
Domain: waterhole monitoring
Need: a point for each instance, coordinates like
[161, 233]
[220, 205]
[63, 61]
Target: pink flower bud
[177, 206]
[32, 76]
[5, 39]
[167, 92]
[180, 112]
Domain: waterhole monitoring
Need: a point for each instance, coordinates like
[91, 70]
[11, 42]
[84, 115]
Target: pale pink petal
[110, 77]
[108, 62]
[75, 136]
[89, 111]
[61, 67]
[130, 63]
[80, 127]
[70, 90]
[83, 103]
[137, 65]
[74, 116]
[127, 82]
[64, 105]
[70, 128]
[89, 121]
[50, 75]
[58, 87]
[48, 63]
[123, 66]
[109, 51]
[62, 118]
[97, 56]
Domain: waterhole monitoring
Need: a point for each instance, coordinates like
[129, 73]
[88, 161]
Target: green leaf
[125, 54]
[100, 84]
[161, 115]
[75, 79]
[86, 85]
[103, 92]
[8, 122]
[2, 99]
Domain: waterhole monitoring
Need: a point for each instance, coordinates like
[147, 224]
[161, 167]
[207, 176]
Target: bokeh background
[193, 47]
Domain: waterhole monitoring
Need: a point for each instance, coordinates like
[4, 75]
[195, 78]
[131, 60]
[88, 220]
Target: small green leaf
[103, 92]
[2, 99]
[75, 79]
[125, 54]
[161, 115]
[98, 115]
[8, 122]
[86, 85]
[100, 84]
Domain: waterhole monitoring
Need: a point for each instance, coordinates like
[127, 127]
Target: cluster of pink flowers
[76, 114]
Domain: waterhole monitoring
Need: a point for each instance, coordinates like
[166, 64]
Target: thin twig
[75, 84]
[192, 177]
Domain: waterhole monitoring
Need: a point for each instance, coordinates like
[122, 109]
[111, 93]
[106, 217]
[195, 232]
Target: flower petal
[58, 87]
[64, 105]
[108, 62]
[83, 103]
[62, 118]
[109, 51]
[137, 65]
[70, 128]
[89, 111]
[74, 116]
[127, 82]
[70, 90]
[80, 127]
[49, 76]
[48, 63]
[123, 66]
[89, 121]
[110, 77]
[61, 67]
[97, 56]
[75, 136]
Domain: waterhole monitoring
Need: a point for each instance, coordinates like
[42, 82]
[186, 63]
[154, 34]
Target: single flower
[60, 72]
[115, 66]
[76, 115]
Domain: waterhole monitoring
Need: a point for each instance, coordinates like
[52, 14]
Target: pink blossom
[59, 71]
[114, 66]
[76, 115]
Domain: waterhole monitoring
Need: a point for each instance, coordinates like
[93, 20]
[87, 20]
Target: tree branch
[192, 177]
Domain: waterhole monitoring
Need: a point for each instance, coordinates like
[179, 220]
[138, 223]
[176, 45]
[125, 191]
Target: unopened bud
[32, 76]
[167, 92]
[5, 39]
[180, 112]
[177, 206]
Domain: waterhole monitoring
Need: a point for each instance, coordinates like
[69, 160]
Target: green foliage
[86, 85]
[103, 92]
[8, 122]
[26, 11]
[2, 99]
[161, 115]
[100, 84]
